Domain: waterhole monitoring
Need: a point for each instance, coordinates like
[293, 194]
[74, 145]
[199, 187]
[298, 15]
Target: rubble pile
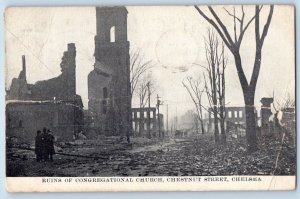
[179, 157]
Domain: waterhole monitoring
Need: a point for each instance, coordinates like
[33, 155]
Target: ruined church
[51, 103]
[109, 81]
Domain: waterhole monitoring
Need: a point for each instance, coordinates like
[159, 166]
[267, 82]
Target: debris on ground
[179, 157]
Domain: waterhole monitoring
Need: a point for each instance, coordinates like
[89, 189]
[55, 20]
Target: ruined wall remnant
[235, 117]
[265, 113]
[144, 122]
[109, 82]
[51, 103]
[61, 87]
[24, 118]
[19, 89]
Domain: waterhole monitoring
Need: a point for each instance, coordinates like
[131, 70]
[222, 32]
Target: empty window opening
[151, 125]
[112, 34]
[151, 114]
[240, 114]
[229, 114]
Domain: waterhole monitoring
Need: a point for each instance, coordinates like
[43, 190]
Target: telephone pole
[148, 112]
[176, 120]
[158, 103]
[167, 119]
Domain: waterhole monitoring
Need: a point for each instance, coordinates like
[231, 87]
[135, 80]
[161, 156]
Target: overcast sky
[172, 37]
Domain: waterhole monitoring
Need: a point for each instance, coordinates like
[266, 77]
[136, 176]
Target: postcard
[150, 98]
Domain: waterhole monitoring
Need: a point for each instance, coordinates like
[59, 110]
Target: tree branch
[259, 44]
[246, 27]
[215, 26]
[222, 26]
[233, 15]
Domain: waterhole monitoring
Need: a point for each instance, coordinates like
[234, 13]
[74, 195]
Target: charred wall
[51, 103]
[112, 72]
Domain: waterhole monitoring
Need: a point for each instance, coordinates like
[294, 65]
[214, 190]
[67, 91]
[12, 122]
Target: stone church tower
[109, 82]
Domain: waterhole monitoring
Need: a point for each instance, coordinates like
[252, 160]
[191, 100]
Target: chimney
[71, 47]
[22, 74]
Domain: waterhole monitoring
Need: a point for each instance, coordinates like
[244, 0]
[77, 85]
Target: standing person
[50, 145]
[38, 146]
[44, 144]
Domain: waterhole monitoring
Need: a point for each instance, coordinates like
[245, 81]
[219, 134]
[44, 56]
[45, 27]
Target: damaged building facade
[235, 118]
[146, 123]
[51, 103]
[109, 82]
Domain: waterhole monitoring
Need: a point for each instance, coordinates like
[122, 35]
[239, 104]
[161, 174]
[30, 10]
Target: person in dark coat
[44, 145]
[50, 145]
[38, 146]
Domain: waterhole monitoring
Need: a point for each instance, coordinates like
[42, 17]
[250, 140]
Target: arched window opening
[112, 34]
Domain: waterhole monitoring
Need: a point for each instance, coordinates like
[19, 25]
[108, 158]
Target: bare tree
[211, 46]
[142, 93]
[196, 122]
[234, 45]
[221, 66]
[138, 67]
[214, 79]
[195, 91]
[145, 89]
[283, 103]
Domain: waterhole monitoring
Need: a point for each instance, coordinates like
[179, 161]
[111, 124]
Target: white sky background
[172, 37]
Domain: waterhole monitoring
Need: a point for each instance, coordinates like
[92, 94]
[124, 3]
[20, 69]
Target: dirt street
[175, 157]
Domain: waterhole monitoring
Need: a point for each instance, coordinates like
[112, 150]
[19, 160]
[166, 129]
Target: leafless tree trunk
[138, 68]
[221, 66]
[214, 83]
[196, 122]
[214, 79]
[195, 92]
[142, 92]
[234, 46]
[145, 88]
[211, 48]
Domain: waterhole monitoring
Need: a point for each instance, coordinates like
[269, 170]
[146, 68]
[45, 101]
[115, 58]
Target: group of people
[44, 145]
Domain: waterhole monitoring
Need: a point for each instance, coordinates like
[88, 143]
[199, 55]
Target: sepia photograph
[157, 94]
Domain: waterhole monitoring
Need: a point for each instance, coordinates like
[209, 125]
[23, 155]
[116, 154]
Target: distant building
[50, 103]
[189, 123]
[109, 82]
[146, 122]
[235, 117]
